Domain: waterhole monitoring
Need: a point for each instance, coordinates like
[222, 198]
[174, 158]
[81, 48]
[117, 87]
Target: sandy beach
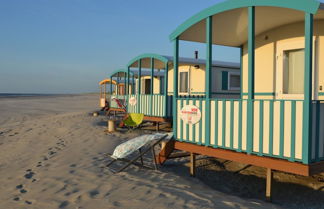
[52, 156]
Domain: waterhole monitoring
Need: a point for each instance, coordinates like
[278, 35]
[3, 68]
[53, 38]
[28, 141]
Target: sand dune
[52, 156]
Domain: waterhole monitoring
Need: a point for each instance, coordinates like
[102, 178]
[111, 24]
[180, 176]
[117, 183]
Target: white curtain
[294, 65]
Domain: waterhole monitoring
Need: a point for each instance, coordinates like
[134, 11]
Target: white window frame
[184, 70]
[289, 46]
[229, 81]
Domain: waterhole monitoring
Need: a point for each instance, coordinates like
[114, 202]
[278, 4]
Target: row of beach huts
[265, 110]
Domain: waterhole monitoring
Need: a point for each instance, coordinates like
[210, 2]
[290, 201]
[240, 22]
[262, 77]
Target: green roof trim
[148, 55]
[308, 6]
[119, 71]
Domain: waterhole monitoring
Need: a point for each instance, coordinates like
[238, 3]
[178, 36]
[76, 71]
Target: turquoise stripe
[232, 124]
[307, 109]
[224, 124]
[261, 94]
[293, 131]
[181, 123]
[317, 133]
[282, 129]
[261, 128]
[271, 128]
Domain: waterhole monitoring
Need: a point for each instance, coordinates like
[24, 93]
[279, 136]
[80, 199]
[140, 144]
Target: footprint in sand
[64, 204]
[29, 174]
[93, 193]
[28, 202]
[16, 198]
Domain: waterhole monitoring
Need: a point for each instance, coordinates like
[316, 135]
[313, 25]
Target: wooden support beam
[156, 119]
[192, 164]
[166, 150]
[269, 184]
[265, 162]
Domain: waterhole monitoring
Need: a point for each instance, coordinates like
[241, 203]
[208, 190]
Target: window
[293, 71]
[184, 82]
[234, 81]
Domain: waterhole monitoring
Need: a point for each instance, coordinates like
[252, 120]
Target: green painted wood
[261, 94]
[241, 71]
[118, 72]
[147, 56]
[240, 126]
[226, 93]
[133, 85]
[225, 80]
[175, 84]
[293, 131]
[251, 52]
[181, 123]
[232, 124]
[271, 127]
[152, 84]
[307, 108]
[139, 85]
[251, 57]
[318, 129]
[282, 129]
[224, 125]
[309, 6]
[166, 78]
[208, 75]
[261, 115]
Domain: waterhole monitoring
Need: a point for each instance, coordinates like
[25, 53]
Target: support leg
[154, 158]
[269, 185]
[140, 152]
[157, 126]
[192, 164]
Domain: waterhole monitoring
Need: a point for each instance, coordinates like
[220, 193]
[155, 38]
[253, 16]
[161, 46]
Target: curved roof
[120, 73]
[105, 81]
[146, 60]
[309, 6]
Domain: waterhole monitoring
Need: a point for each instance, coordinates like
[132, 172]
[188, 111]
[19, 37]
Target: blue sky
[67, 46]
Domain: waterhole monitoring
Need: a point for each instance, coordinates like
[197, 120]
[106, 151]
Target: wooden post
[269, 185]
[192, 164]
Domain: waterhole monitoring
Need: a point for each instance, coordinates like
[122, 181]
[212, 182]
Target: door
[147, 86]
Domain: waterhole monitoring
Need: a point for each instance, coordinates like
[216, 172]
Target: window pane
[235, 81]
[183, 82]
[293, 74]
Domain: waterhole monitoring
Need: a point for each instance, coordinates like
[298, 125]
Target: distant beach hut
[152, 94]
[118, 96]
[104, 93]
[277, 123]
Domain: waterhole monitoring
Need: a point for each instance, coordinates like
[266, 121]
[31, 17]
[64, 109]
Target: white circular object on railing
[132, 101]
[190, 114]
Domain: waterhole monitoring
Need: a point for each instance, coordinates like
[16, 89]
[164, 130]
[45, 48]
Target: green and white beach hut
[277, 124]
[153, 91]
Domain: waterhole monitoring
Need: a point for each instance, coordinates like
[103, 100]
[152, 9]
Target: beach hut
[104, 95]
[119, 84]
[153, 89]
[277, 124]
